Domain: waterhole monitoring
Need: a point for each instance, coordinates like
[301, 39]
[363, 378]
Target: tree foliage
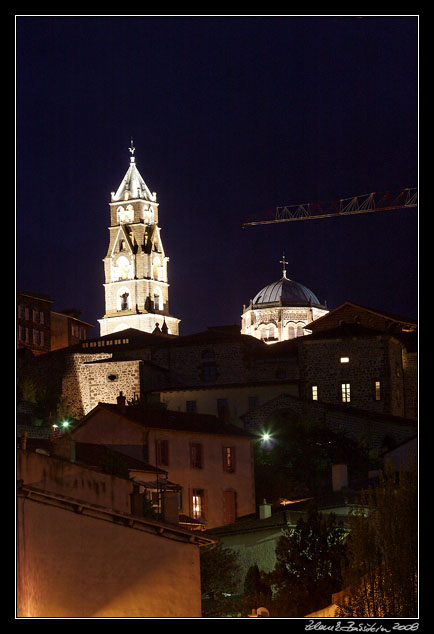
[257, 590]
[298, 458]
[220, 578]
[309, 563]
[381, 575]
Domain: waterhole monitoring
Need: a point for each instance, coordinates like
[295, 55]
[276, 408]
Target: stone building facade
[361, 358]
[136, 279]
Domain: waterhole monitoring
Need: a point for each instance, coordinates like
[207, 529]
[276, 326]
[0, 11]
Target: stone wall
[371, 359]
[359, 425]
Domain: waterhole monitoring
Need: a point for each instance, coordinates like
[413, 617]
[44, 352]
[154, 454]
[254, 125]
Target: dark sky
[230, 116]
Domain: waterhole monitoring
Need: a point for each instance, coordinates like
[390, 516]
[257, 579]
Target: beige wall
[76, 565]
[61, 476]
[237, 397]
[107, 427]
[211, 478]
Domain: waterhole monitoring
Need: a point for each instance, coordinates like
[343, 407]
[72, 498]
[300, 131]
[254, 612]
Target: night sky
[230, 117]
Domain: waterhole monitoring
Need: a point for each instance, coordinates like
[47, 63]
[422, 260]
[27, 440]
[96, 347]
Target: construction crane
[405, 198]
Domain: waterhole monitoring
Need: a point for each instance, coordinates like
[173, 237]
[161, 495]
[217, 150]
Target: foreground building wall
[84, 561]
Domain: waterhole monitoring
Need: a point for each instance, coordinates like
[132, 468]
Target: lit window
[41, 318]
[346, 397]
[314, 392]
[345, 359]
[300, 331]
[158, 300]
[198, 498]
[377, 390]
[229, 459]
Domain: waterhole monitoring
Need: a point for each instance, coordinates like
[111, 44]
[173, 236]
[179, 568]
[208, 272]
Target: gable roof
[163, 419]
[399, 319]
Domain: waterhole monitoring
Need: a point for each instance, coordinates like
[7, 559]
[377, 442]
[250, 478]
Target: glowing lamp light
[55, 426]
[266, 437]
[65, 424]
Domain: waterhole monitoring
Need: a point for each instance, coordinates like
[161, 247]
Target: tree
[220, 578]
[308, 567]
[257, 590]
[297, 461]
[381, 574]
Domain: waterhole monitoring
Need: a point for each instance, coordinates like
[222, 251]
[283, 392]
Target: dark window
[196, 455]
[209, 373]
[230, 503]
[191, 406]
[162, 449]
[222, 405]
[253, 402]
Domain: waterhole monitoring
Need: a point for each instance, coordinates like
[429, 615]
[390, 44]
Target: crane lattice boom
[343, 207]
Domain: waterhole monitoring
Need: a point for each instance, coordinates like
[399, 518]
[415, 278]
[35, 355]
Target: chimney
[169, 507]
[339, 476]
[264, 510]
[121, 401]
[136, 501]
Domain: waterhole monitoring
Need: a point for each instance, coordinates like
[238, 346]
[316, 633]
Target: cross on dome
[284, 262]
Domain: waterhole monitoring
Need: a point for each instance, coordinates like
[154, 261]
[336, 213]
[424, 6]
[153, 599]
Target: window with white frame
[345, 392]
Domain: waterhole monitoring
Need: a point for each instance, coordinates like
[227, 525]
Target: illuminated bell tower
[136, 283]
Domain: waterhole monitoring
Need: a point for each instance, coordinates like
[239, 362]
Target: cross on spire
[284, 262]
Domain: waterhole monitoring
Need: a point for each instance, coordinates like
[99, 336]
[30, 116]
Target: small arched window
[158, 300]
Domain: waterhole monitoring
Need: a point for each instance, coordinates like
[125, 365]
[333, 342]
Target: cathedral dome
[288, 292]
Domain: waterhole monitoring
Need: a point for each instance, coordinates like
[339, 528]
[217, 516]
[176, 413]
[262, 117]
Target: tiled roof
[92, 454]
[172, 420]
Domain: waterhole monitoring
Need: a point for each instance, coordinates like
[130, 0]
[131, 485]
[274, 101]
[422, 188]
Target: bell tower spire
[136, 279]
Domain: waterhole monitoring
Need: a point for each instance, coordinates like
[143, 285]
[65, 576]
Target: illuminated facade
[281, 311]
[136, 280]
